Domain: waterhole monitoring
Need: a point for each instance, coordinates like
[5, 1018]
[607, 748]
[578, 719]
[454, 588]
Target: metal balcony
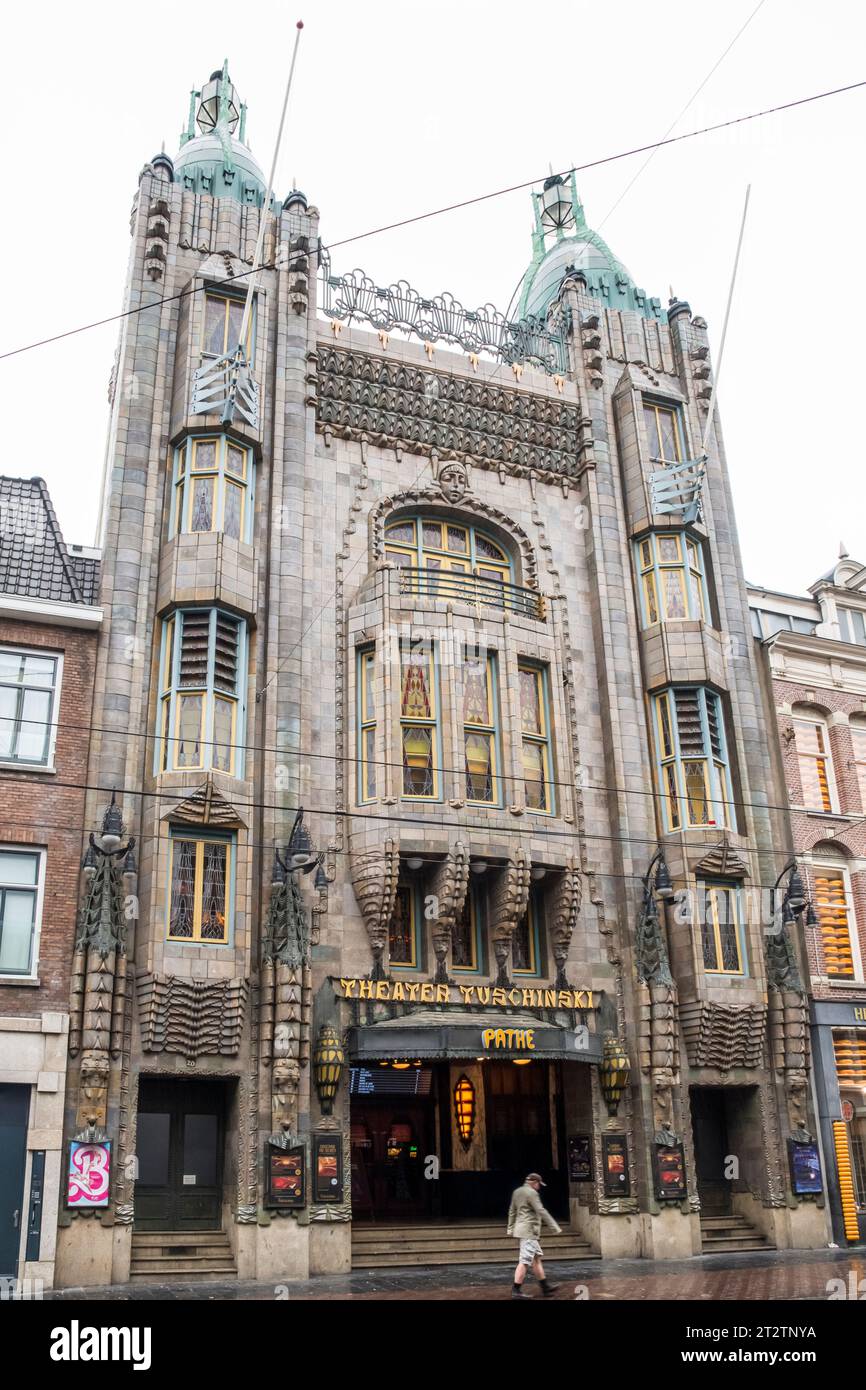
[471, 588]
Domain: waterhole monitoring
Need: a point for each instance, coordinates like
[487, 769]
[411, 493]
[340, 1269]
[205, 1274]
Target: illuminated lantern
[328, 1060]
[615, 1072]
[464, 1110]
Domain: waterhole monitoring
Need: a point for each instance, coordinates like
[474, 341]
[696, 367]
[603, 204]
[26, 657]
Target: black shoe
[549, 1289]
[518, 1292]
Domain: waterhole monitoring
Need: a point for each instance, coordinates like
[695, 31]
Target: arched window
[427, 542]
[812, 738]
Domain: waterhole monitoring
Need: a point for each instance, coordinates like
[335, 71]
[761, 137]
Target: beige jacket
[526, 1214]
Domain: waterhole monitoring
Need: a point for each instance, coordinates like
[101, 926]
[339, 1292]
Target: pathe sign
[424, 992]
[519, 1039]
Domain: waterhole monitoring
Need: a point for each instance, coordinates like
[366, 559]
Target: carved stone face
[453, 481]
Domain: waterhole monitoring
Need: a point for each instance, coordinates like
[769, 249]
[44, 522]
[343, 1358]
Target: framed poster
[89, 1175]
[579, 1158]
[669, 1170]
[327, 1168]
[805, 1168]
[614, 1159]
[286, 1176]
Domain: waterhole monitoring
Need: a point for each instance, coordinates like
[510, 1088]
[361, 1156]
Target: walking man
[525, 1216]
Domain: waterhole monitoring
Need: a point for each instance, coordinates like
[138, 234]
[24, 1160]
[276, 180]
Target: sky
[401, 108]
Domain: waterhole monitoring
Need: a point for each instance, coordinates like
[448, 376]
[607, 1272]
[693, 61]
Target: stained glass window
[418, 720]
[435, 547]
[366, 725]
[672, 578]
[532, 688]
[524, 942]
[720, 926]
[199, 889]
[464, 938]
[480, 734]
[401, 929]
[212, 480]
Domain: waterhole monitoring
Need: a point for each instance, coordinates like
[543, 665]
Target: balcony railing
[472, 588]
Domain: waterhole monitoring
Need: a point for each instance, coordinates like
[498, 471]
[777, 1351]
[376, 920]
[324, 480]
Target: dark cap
[535, 1177]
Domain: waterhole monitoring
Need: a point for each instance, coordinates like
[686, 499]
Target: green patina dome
[574, 246]
[217, 161]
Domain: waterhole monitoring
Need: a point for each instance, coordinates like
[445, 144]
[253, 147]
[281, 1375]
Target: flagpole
[718, 372]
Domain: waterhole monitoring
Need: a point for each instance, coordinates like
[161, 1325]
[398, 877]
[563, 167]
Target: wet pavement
[759, 1276]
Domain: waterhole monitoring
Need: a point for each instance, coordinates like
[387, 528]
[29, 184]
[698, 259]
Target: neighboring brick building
[48, 631]
[816, 651]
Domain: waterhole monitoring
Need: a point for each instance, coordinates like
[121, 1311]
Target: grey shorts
[530, 1250]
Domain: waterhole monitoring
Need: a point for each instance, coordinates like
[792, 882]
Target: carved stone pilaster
[285, 1007]
[508, 901]
[564, 909]
[448, 886]
[375, 873]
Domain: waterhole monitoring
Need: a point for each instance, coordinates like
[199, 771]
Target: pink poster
[89, 1174]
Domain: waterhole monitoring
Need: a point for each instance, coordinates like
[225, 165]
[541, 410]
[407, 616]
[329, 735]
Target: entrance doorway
[710, 1130]
[389, 1146]
[179, 1147]
[14, 1112]
[519, 1134]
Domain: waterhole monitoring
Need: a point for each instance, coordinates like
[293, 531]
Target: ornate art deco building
[463, 589]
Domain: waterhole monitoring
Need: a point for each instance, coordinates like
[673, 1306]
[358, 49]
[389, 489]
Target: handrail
[471, 588]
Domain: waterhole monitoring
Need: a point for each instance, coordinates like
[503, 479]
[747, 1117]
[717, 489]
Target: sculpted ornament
[453, 481]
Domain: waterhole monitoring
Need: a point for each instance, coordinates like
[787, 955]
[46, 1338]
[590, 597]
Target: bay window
[692, 760]
[200, 897]
[213, 477]
[673, 586]
[203, 674]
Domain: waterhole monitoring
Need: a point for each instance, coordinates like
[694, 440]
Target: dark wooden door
[179, 1148]
[14, 1110]
[710, 1130]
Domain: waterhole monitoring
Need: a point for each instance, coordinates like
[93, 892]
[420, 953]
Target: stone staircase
[722, 1234]
[165, 1257]
[458, 1242]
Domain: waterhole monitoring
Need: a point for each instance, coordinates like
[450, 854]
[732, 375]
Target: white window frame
[838, 866]
[18, 977]
[857, 724]
[53, 717]
[819, 721]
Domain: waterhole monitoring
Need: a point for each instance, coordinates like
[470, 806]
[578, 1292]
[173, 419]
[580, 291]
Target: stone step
[718, 1247]
[500, 1249]
[714, 1222]
[183, 1274]
[199, 1240]
[408, 1259]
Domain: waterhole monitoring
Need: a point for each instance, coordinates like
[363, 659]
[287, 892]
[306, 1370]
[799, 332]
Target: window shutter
[226, 654]
[713, 724]
[689, 723]
[193, 648]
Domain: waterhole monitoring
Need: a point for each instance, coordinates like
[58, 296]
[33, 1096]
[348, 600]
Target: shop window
[367, 724]
[481, 749]
[419, 721]
[29, 699]
[673, 586]
[692, 769]
[535, 736]
[221, 325]
[200, 884]
[526, 941]
[21, 880]
[812, 739]
[721, 922]
[849, 1047]
[836, 922]
[213, 477]
[203, 673]
[403, 930]
[664, 433]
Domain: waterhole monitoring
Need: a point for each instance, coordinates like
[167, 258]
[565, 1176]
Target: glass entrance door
[389, 1143]
[179, 1148]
